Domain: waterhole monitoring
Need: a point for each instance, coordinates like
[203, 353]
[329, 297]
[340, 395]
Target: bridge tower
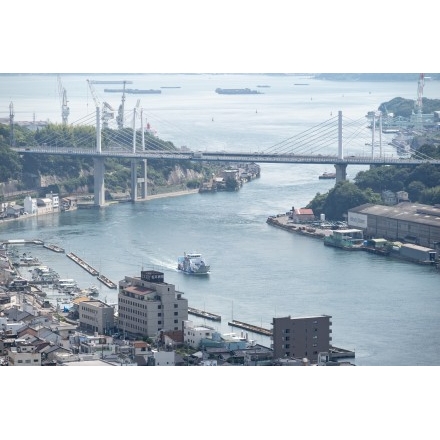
[135, 180]
[98, 166]
[341, 168]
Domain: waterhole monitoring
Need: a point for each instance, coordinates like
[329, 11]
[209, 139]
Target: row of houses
[148, 309]
[37, 206]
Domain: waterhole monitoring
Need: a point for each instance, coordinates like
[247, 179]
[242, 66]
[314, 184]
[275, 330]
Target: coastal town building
[23, 354]
[96, 316]
[302, 215]
[301, 337]
[148, 305]
[407, 222]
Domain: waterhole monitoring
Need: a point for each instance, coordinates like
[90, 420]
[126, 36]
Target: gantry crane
[107, 110]
[63, 101]
[121, 110]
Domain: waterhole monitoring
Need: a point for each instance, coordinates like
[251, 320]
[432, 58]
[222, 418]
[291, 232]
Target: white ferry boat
[193, 263]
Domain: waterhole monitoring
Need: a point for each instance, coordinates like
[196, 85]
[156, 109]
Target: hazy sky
[217, 36]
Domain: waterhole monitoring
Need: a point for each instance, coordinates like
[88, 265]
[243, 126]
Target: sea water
[386, 310]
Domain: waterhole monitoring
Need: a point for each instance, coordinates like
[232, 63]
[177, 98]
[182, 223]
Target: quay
[83, 264]
[283, 223]
[20, 242]
[251, 328]
[203, 314]
[110, 284]
[340, 353]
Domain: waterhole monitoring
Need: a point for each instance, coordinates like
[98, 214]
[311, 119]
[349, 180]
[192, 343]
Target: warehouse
[406, 222]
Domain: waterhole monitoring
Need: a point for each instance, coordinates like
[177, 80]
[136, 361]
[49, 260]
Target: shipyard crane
[419, 102]
[421, 84]
[63, 101]
[107, 110]
[121, 110]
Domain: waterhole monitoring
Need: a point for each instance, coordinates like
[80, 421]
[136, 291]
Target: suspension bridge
[322, 144]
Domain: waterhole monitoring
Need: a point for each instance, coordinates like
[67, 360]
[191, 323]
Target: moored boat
[327, 175]
[193, 263]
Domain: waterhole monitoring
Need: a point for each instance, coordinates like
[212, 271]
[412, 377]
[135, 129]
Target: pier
[251, 328]
[203, 314]
[54, 248]
[104, 280]
[83, 264]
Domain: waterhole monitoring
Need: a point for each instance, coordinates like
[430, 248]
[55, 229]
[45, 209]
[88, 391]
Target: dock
[203, 314]
[110, 284]
[340, 353]
[54, 248]
[251, 328]
[91, 270]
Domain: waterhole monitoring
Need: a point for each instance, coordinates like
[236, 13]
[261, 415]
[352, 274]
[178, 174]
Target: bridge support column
[341, 172]
[143, 180]
[98, 175]
[134, 183]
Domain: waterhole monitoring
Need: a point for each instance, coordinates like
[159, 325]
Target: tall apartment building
[148, 305]
[301, 337]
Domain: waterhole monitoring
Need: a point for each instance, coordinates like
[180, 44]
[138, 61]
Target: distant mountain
[375, 76]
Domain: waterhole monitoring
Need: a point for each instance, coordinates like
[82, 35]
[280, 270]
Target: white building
[55, 201]
[44, 205]
[194, 334]
[24, 354]
[30, 205]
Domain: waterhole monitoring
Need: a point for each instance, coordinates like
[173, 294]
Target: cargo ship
[133, 91]
[245, 91]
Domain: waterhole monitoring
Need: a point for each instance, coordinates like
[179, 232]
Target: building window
[159, 322]
[159, 314]
[176, 321]
[287, 330]
[176, 313]
[175, 306]
[159, 306]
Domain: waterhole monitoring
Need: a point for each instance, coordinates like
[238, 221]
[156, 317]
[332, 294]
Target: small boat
[193, 263]
[327, 176]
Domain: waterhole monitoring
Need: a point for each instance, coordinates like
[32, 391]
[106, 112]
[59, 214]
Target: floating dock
[91, 270]
[203, 314]
[110, 284]
[54, 248]
[251, 328]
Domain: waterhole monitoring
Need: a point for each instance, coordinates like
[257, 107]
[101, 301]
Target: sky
[196, 36]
